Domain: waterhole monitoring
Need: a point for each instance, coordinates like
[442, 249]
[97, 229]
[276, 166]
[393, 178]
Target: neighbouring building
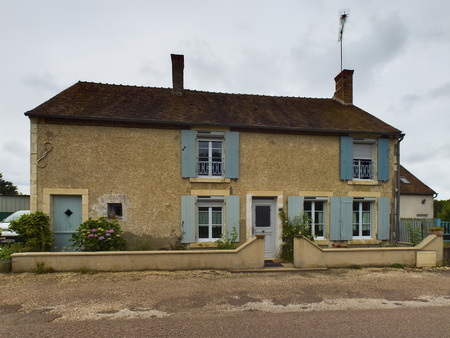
[416, 198]
[176, 164]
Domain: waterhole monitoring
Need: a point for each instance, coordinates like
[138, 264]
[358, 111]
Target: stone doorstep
[287, 267]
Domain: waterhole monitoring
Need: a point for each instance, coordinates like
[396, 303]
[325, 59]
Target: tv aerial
[343, 19]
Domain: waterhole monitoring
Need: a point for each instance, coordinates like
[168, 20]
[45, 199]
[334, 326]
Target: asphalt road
[338, 302]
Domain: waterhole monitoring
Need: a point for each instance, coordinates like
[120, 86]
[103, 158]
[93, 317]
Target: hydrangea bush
[99, 235]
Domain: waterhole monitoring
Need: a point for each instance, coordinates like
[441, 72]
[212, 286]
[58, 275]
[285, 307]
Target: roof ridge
[206, 91]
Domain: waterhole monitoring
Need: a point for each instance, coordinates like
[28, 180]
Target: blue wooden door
[66, 219]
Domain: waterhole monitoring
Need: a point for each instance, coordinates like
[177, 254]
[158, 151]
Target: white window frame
[210, 137]
[362, 155]
[360, 223]
[312, 223]
[209, 202]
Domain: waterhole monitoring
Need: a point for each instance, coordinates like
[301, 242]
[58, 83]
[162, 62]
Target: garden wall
[427, 253]
[248, 256]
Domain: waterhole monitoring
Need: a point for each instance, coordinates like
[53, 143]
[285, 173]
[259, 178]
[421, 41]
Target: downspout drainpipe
[397, 226]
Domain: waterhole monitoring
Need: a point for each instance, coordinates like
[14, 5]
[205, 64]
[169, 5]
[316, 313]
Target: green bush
[7, 250]
[35, 230]
[414, 233]
[99, 235]
[227, 241]
[298, 225]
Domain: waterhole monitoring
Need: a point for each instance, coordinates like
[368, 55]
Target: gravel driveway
[29, 298]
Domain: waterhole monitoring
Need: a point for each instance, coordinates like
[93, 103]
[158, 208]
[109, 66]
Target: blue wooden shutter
[341, 215]
[231, 154]
[383, 159]
[335, 218]
[346, 218]
[232, 215]
[187, 219]
[346, 158]
[295, 206]
[383, 216]
[188, 150]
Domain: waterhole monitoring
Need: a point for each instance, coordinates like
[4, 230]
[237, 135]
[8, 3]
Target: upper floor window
[362, 161]
[365, 159]
[210, 158]
[208, 154]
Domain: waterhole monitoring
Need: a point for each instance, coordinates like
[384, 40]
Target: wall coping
[135, 253]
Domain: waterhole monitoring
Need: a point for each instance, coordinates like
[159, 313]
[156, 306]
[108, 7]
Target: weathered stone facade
[141, 169]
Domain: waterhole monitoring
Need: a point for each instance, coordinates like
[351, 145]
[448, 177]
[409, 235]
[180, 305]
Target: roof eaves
[206, 124]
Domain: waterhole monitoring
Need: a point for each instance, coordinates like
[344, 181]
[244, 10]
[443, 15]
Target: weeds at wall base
[42, 268]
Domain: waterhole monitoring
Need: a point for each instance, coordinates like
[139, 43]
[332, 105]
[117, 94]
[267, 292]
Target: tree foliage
[7, 187]
[442, 210]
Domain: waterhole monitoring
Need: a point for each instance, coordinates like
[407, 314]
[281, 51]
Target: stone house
[177, 164]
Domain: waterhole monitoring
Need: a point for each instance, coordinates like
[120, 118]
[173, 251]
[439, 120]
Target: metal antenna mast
[343, 18]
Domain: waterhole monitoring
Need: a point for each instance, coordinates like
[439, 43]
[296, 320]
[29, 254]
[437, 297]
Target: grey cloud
[44, 81]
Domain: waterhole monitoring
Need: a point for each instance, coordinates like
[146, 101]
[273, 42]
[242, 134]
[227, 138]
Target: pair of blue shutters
[341, 216]
[189, 158]
[188, 221]
[347, 158]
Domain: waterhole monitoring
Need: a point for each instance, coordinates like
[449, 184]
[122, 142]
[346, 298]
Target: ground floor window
[316, 213]
[362, 219]
[114, 210]
[210, 221]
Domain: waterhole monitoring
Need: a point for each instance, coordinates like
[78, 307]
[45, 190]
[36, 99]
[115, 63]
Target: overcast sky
[400, 51]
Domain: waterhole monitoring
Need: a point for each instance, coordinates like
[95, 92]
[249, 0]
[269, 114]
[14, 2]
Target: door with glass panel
[264, 224]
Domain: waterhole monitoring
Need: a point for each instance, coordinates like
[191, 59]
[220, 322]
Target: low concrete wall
[308, 255]
[248, 256]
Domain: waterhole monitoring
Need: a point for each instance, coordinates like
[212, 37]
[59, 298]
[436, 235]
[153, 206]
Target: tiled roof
[417, 187]
[146, 105]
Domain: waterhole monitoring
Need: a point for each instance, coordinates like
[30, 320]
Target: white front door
[264, 223]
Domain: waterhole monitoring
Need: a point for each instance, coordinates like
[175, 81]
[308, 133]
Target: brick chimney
[344, 87]
[177, 74]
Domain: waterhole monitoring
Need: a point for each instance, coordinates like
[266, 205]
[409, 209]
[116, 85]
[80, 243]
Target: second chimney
[177, 74]
[344, 87]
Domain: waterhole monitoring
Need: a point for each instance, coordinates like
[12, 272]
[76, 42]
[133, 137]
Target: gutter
[397, 225]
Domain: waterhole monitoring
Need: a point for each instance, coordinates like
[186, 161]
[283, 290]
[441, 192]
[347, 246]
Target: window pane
[318, 230]
[262, 216]
[366, 206]
[203, 216]
[217, 216]
[307, 206]
[355, 229]
[366, 229]
[319, 217]
[319, 206]
[216, 231]
[203, 232]
[366, 217]
[355, 217]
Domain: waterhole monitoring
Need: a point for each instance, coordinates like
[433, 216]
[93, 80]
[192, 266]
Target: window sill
[363, 182]
[210, 180]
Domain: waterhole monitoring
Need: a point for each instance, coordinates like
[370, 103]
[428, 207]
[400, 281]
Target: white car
[7, 235]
